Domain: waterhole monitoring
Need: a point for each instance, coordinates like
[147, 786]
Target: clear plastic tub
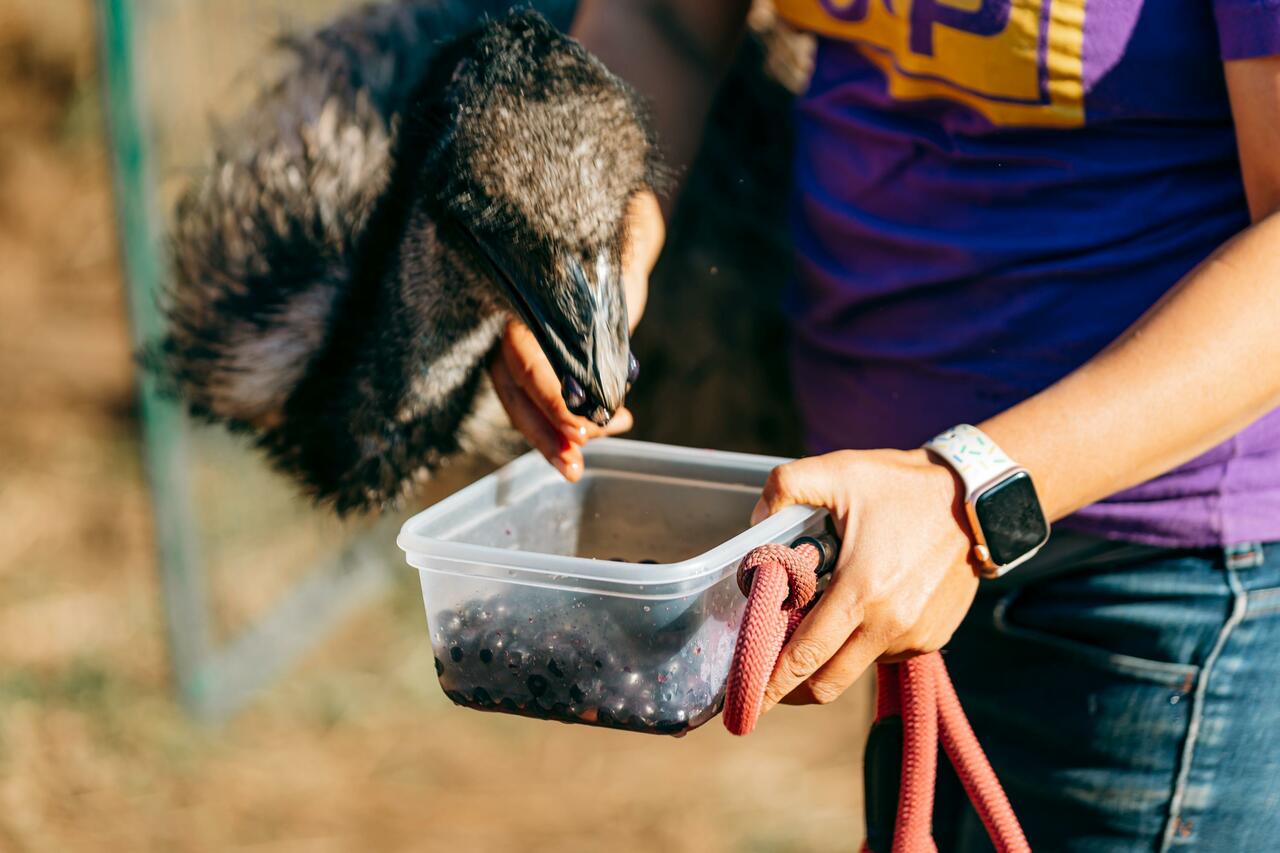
[611, 601]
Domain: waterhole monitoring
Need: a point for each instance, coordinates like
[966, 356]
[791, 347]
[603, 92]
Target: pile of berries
[577, 664]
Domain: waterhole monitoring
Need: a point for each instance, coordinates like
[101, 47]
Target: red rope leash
[917, 695]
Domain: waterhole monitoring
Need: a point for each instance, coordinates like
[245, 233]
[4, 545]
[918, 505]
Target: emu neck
[445, 317]
[417, 327]
[401, 368]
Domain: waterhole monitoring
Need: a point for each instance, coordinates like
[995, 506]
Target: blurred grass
[357, 749]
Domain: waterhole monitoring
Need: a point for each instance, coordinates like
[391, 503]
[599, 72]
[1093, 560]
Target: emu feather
[364, 231]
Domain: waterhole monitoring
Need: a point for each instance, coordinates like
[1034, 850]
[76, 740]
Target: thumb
[804, 481]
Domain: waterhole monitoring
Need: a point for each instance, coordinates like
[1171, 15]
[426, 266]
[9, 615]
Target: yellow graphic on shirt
[1017, 62]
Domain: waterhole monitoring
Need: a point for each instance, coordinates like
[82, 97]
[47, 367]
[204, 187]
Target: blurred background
[305, 714]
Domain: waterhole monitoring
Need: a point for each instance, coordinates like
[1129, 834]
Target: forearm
[1198, 367]
[674, 53]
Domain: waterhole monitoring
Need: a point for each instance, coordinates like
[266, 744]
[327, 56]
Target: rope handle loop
[915, 699]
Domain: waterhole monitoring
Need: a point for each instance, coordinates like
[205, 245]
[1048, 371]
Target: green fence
[251, 576]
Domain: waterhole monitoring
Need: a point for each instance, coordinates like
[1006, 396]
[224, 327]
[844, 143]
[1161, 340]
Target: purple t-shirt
[989, 192]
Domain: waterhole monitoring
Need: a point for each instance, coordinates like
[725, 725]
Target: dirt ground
[355, 750]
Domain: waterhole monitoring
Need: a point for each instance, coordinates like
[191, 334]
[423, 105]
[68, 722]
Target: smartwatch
[1004, 511]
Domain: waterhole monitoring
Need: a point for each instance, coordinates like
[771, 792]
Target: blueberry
[576, 664]
[515, 658]
[564, 662]
[574, 396]
[615, 717]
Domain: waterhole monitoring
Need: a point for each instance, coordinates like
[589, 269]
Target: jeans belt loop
[1243, 555]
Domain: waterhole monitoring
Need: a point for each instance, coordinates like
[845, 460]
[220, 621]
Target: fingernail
[760, 513]
[576, 433]
[573, 470]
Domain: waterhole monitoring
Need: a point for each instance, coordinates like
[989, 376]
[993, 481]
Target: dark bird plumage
[365, 230]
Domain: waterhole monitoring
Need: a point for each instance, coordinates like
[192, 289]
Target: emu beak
[581, 325]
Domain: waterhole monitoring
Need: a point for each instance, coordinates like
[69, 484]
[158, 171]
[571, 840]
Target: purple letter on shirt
[855, 11]
[990, 18]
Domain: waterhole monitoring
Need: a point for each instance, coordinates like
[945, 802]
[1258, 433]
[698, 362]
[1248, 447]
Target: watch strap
[972, 455]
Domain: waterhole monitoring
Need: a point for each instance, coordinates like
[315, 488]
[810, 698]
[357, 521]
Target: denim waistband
[1069, 551]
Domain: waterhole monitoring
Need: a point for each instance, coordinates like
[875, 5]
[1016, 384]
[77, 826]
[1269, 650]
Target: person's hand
[528, 386]
[904, 578]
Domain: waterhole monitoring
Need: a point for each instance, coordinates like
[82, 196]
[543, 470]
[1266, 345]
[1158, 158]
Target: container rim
[553, 569]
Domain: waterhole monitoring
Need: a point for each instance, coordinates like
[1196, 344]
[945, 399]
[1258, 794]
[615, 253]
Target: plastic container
[611, 601]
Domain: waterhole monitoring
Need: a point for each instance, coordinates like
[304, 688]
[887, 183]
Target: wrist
[1035, 449]
[947, 492]
[1005, 517]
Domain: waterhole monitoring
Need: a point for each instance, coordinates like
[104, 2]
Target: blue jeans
[1129, 699]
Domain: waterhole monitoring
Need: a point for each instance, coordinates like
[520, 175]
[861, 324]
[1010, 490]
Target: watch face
[1011, 519]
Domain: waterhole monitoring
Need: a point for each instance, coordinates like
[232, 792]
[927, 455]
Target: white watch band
[980, 463]
[972, 455]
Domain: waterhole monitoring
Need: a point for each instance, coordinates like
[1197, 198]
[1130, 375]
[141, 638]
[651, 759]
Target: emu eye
[633, 367]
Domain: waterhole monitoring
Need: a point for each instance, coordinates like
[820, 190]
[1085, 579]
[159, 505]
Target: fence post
[163, 426]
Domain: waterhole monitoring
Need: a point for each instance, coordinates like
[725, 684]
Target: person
[1054, 219]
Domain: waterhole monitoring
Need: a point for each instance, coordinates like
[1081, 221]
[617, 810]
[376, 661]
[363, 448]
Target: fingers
[622, 422]
[536, 378]
[530, 392]
[527, 384]
[646, 231]
[838, 674]
[822, 689]
[804, 481]
[799, 696]
[837, 615]
[533, 424]
[879, 633]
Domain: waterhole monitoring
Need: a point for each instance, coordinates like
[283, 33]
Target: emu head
[540, 151]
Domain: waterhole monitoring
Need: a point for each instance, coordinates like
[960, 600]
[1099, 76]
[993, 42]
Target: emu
[348, 262]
